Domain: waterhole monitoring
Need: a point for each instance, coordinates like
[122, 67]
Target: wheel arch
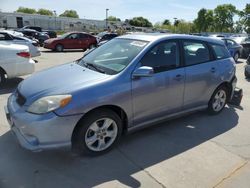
[118, 110]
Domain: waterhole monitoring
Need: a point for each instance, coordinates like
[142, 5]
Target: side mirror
[143, 71]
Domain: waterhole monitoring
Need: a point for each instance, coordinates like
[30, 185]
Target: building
[18, 20]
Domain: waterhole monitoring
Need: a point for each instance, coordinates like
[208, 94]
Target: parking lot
[195, 151]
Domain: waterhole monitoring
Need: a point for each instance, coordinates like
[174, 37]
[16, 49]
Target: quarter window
[220, 51]
[195, 53]
[163, 57]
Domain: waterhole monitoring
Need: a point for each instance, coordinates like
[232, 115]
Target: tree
[244, 19]
[26, 10]
[224, 17]
[140, 22]
[45, 12]
[113, 19]
[205, 20]
[69, 13]
[166, 22]
[176, 22]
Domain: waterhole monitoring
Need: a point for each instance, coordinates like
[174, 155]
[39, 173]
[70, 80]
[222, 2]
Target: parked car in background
[246, 47]
[105, 36]
[72, 40]
[14, 33]
[52, 34]
[6, 38]
[41, 37]
[15, 60]
[125, 84]
[234, 48]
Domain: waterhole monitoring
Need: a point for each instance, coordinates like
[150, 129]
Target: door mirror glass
[143, 71]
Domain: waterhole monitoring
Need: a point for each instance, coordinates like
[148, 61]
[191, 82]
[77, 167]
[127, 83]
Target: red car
[72, 40]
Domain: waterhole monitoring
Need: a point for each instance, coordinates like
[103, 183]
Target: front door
[72, 41]
[162, 94]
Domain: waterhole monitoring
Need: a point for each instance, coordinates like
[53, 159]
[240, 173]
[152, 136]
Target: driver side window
[163, 57]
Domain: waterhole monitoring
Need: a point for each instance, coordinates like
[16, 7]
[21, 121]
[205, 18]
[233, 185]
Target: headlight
[49, 103]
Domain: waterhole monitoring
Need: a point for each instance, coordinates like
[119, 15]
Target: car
[15, 60]
[14, 33]
[124, 85]
[6, 38]
[234, 48]
[72, 40]
[246, 47]
[41, 37]
[50, 33]
[105, 36]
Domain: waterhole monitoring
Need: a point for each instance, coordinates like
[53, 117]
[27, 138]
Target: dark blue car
[234, 48]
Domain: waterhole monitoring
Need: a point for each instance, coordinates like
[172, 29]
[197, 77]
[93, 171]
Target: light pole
[107, 18]
[55, 18]
[175, 25]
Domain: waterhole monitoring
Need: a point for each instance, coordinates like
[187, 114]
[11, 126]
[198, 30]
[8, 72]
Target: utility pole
[107, 18]
[55, 19]
[174, 24]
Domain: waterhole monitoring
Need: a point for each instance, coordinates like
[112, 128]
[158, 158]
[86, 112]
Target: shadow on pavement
[64, 51]
[10, 85]
[135, 152]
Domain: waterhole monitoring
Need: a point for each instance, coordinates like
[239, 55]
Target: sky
[154, 10]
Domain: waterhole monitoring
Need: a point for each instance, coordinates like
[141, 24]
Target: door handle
[178, 77]
[213, 70]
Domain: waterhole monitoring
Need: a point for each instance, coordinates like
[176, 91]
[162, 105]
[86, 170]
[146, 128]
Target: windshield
[64, 35]
[115, 55]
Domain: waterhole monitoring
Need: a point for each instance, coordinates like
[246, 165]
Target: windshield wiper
[95, 67]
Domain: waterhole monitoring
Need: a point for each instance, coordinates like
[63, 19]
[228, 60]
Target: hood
[63, 79]
[52, 40]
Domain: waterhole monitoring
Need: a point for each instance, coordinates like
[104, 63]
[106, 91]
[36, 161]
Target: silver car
[126, 84]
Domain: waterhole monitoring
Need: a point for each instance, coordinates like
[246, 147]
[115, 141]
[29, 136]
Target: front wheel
[218, 100]
[98, 132]
[59, 48]
[2, 77]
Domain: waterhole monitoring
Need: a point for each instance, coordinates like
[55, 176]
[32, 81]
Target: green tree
[166, 22]
[43, 11]
[244, 22]
[69, 13]
[26, 10]
[113, 19]
[224, 17]
[205, 20]
[140, 22]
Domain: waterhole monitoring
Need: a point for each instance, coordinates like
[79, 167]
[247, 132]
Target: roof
[151, 37]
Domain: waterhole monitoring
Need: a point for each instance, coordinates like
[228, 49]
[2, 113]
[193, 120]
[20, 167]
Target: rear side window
[220, 51]
[195, 53]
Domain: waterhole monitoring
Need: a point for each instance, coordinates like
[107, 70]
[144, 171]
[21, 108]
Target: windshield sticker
[138, 43]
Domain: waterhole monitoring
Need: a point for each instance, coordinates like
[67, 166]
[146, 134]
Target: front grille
[20, 99]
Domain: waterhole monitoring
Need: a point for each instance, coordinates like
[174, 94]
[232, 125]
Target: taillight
[24, 54]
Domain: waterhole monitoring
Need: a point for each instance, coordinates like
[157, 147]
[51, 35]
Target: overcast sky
[154, 10]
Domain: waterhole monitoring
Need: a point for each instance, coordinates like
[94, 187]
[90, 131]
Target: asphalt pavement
[197, 150]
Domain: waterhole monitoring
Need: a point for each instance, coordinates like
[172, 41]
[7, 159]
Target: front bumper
[39, 132]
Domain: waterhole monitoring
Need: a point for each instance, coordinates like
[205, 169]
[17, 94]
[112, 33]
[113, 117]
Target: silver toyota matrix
[123, 85]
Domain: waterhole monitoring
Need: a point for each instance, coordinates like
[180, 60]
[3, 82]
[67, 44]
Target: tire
[236, 56]
[92, 138]
[218, 100]
[91, 46]
[2, 77]
[59, 48]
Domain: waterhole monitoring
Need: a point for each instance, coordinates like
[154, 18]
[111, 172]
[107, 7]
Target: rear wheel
[2, 77]
[218, 100]
[98, 132]
[59, 48]
[236, 56]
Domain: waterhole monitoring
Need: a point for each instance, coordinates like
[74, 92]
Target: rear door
[84, 41]
[202, 74]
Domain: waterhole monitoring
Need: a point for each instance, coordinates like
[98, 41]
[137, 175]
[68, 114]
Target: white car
[7, 38]
[15, 60]
[14, 33]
